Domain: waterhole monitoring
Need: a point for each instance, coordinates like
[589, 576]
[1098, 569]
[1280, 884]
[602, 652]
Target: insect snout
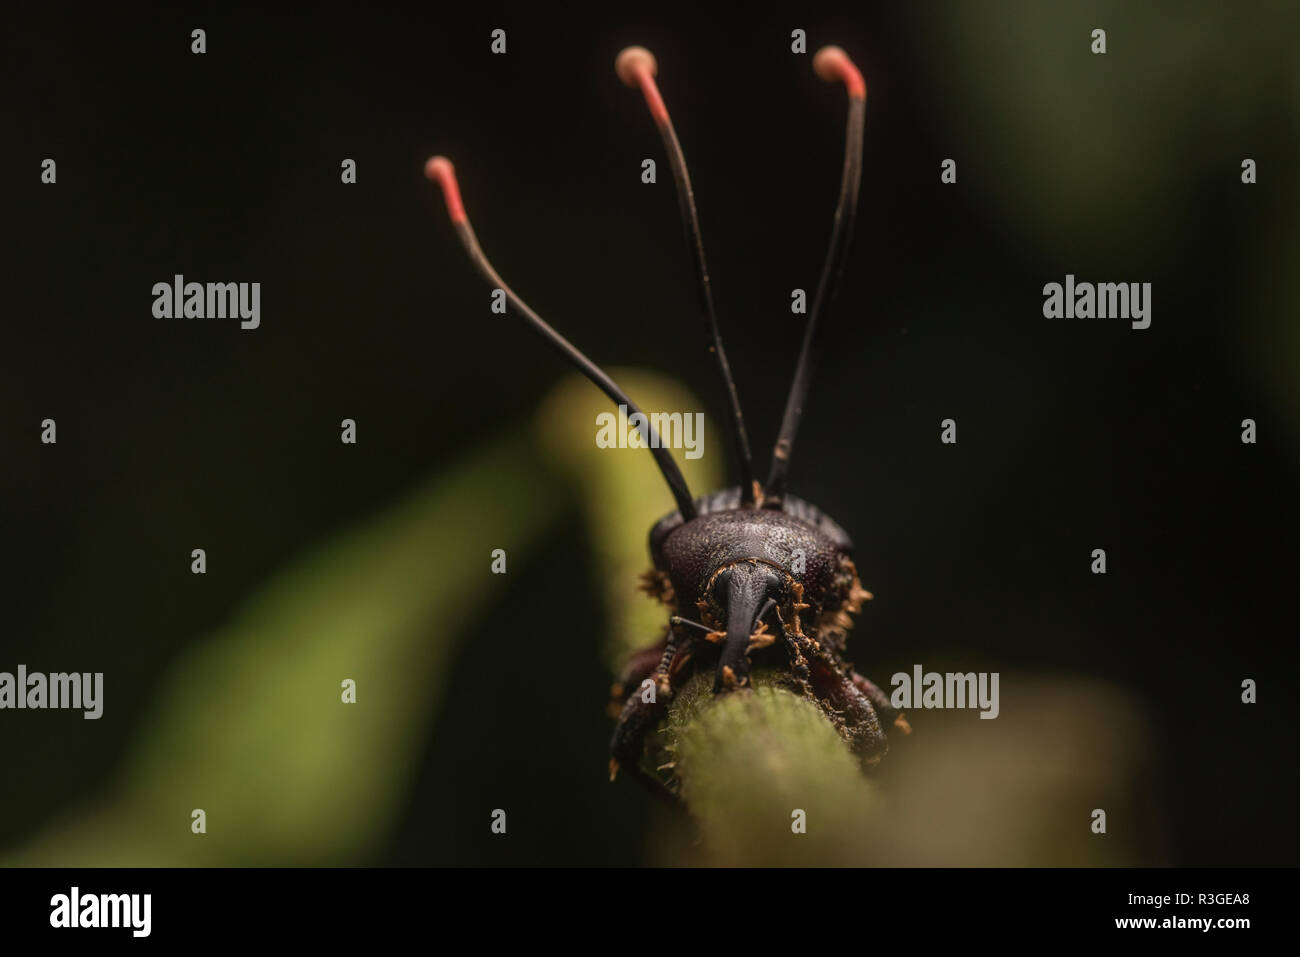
[742, 594]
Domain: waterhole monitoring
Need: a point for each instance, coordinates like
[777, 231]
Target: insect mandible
[750, 573]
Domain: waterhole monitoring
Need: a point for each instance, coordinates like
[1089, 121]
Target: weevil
[750, 574]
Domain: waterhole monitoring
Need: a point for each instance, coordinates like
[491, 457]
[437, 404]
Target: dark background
[1072, 434]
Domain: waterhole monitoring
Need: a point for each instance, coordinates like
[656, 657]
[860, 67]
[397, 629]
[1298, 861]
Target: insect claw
[613, 769]
[715, 636]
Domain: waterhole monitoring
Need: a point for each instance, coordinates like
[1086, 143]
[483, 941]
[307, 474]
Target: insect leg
[639, 718]
[639, 667]
[890, 716]
[799, 667]
[848, 705]
[641, 714]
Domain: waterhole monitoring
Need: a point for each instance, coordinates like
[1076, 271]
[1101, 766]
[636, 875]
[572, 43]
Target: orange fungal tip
[833, 65]
[636, 66]
[439, 170]
[438, 167]
[631, 61]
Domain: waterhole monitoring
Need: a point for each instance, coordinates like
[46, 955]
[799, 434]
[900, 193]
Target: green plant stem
[750, 760]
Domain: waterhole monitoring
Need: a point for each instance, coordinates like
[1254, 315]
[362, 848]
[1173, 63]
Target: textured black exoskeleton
[751, 574]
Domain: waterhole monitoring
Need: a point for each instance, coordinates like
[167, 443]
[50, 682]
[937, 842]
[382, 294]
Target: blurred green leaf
[623, 494]
[1104, 152]
[250, 726]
